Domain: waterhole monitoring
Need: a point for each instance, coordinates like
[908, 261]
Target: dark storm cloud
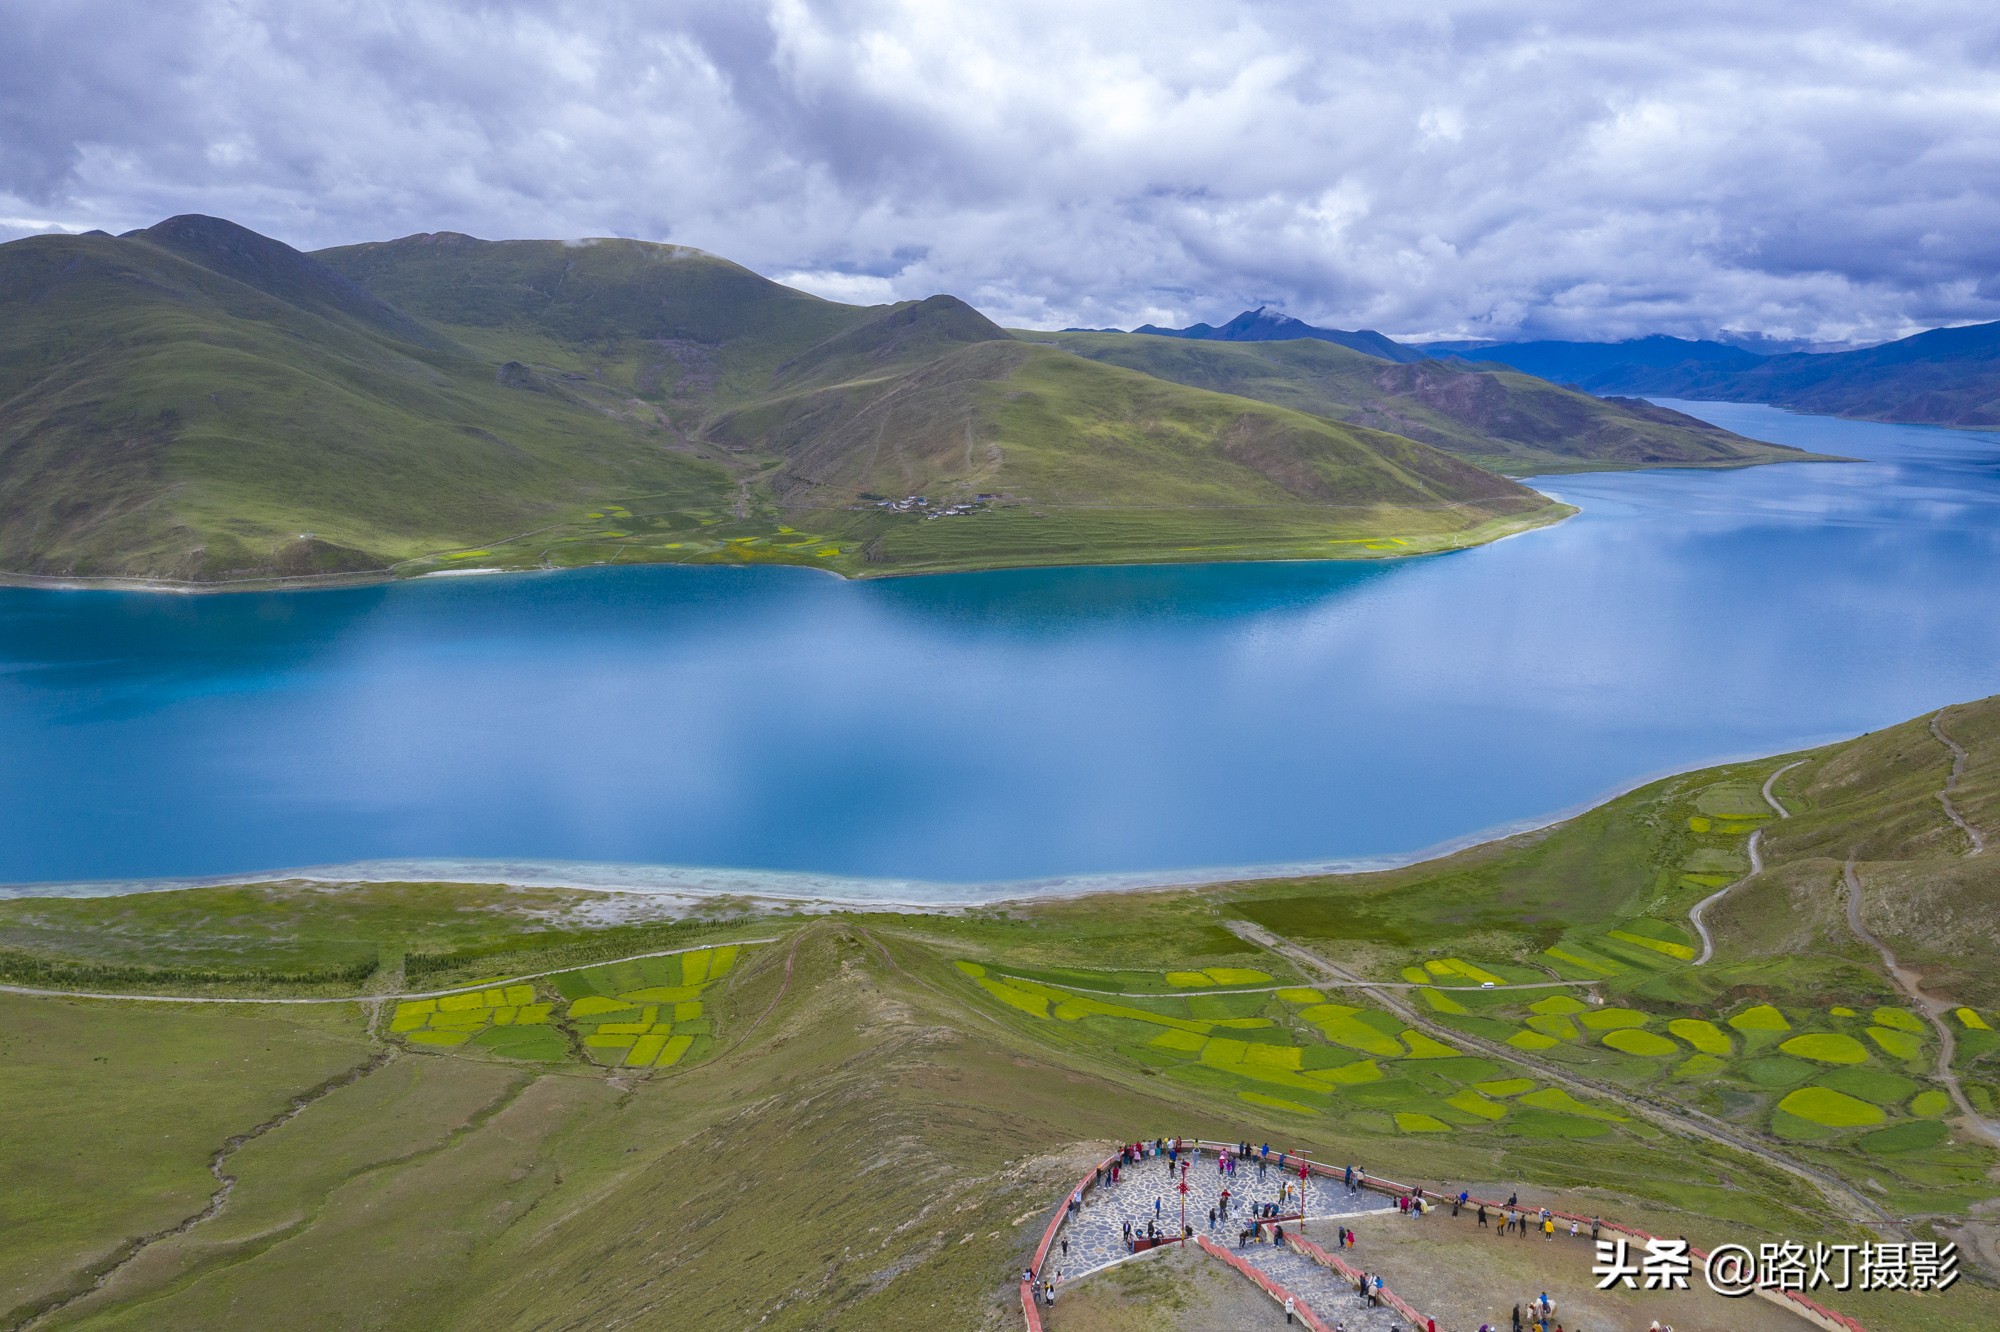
[1819, 170]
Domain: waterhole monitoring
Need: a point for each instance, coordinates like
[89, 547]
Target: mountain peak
[276, 269]
[1265, 324]
[912, 330]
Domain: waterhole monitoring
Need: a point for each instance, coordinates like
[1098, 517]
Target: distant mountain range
[1266, 325]
[1948, 376]
[1657, 364]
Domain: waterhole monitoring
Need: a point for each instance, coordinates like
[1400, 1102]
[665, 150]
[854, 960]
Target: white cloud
[847, 288]
[1823, 170]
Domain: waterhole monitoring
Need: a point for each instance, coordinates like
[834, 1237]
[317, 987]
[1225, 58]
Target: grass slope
[1506, 420]
[1080, 458]
[190, 400]
[823, 410]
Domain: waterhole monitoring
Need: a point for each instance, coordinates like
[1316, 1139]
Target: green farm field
[699, 1136]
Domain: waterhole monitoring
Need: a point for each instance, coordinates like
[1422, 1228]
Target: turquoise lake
[985, 728]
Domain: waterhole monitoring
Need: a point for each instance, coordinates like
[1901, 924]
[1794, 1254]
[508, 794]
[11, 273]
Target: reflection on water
[1018, 724]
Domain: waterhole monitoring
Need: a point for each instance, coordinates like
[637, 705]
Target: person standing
[1289, 1308]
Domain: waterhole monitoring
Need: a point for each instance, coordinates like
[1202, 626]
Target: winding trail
[1696, 912]
[784, 985]
[1958, 757]
[1912, 985]
[374, 999]
[1849, 1203]
[94, 1278]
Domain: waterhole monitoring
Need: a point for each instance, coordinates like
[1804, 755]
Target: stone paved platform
[1324, 1291]
[1095, 1233]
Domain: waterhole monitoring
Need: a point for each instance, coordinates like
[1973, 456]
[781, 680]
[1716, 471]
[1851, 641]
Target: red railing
[1299, 1244]
[1264, 1282]
[1032, 1314]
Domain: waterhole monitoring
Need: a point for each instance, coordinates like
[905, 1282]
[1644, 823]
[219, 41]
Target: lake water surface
[972, 729]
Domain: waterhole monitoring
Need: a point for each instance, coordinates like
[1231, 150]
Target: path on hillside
[95, 1277]
[1912, 985]
[1756, 868]
[1958, 757]
[374, 998]
[1847, 1201]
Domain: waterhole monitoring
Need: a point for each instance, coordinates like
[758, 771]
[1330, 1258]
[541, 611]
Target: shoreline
[384, 577]
[182, 587]
[807, 890]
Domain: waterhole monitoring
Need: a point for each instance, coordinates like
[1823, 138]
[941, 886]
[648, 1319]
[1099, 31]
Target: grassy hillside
[870, 1116]
[1061, 460]
[1510, 422]
[827, 413]
[189, 401]
[673, 327]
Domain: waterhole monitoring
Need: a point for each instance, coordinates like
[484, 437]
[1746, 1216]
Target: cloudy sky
[1801, 168]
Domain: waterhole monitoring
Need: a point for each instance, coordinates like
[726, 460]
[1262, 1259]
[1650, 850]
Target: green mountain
[194, 401]
[830, 416]
[1502, 419]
